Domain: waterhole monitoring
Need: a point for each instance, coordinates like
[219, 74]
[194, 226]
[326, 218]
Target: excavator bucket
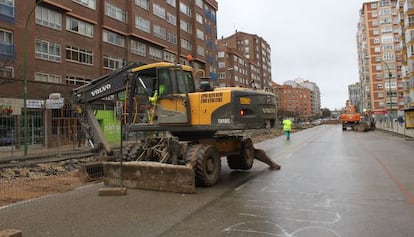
[150, 175]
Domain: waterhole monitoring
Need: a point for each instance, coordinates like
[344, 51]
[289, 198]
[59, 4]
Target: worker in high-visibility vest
[287, 127]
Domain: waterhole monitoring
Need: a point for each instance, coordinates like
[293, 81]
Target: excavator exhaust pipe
[150, 175]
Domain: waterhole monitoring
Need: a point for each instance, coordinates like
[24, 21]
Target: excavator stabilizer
[150, 175]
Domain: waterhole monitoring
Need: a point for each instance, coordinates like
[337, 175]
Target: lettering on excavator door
[211, 98]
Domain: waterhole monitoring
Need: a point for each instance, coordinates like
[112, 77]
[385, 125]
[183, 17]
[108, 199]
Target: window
[112, 63]
[80, 27]
[160, 32]
[200, 34]
[7, 71]
[185, 9]
[6, 43]
[47, 50]
[155, 53]
[221, 54]
[113, 38]
[142, 3]
[199, 18]
[87, 3]
[78, 55]
[52, 78]
[185, 26]
[170, 57]
[158, 10]
[171, 19]
[199, 3]
[138, 48]
[186, 44]
[385, 11]
[115, 12]
[200, 50]
[142, 24]
[76, 80]
[7, 8]
[172, 37]
[386, 29]
[171, 2]
[48, 18]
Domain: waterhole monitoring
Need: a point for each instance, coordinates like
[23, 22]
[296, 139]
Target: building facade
[244, 60]
[49, 47]
[296, 102]
[354, 92]
[380, 59]
[406, 17]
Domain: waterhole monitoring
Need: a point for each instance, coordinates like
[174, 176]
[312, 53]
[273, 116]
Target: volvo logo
[101, 90]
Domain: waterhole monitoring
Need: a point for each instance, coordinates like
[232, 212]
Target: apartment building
[406, 17]
[244, 60]
[354, 93]
[380, 59]
[51, 46]
[295, 101]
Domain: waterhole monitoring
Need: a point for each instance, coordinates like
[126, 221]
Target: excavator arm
[85, 96]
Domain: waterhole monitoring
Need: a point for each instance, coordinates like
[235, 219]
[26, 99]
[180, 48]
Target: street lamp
[390, 94]
[25, 126]
[389, 88]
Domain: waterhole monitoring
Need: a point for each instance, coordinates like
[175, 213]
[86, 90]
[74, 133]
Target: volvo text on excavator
[174, 134]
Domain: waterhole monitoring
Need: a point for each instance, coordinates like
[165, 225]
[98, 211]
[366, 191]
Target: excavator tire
[244, 160]
[206, 163]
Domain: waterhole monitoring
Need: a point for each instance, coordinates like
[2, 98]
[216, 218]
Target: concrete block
[11, 233]
[112, 191]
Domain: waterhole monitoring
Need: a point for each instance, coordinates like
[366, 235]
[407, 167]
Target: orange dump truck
[350, 118]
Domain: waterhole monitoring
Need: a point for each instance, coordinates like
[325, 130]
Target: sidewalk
[395, 127]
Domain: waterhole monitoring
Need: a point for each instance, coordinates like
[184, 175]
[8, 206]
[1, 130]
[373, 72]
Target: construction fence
[53, 136]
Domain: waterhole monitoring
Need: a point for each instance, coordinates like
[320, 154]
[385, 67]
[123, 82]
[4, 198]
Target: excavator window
[164, 82]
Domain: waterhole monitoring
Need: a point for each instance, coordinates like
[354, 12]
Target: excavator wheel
[206, 163]
[243, 161]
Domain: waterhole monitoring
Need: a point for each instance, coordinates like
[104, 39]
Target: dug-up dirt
[21, 189]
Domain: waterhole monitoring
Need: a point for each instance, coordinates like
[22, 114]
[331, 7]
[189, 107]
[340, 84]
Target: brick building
[380, 59]
[66, 44]
[296, 102]
[244, 60]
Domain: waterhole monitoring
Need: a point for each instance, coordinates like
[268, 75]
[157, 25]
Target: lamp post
[25, 122]
[390, 94]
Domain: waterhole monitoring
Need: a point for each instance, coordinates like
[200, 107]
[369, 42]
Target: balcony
[7, 13]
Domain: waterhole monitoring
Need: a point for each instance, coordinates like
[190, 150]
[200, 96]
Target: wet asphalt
[332, 183]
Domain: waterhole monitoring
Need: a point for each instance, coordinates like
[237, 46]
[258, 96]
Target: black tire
[243, 161]
[206, 163]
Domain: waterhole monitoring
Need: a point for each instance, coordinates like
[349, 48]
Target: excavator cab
[167, 88]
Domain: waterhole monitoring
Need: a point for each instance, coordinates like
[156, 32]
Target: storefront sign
[35, 104]
[55, 103]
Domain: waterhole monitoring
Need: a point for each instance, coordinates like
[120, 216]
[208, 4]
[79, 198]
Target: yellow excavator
[174, 134]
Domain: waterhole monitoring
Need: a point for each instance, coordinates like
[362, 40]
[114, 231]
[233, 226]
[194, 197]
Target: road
[332, 183]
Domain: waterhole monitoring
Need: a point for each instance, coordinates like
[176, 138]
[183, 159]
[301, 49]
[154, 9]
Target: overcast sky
[314, 40]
